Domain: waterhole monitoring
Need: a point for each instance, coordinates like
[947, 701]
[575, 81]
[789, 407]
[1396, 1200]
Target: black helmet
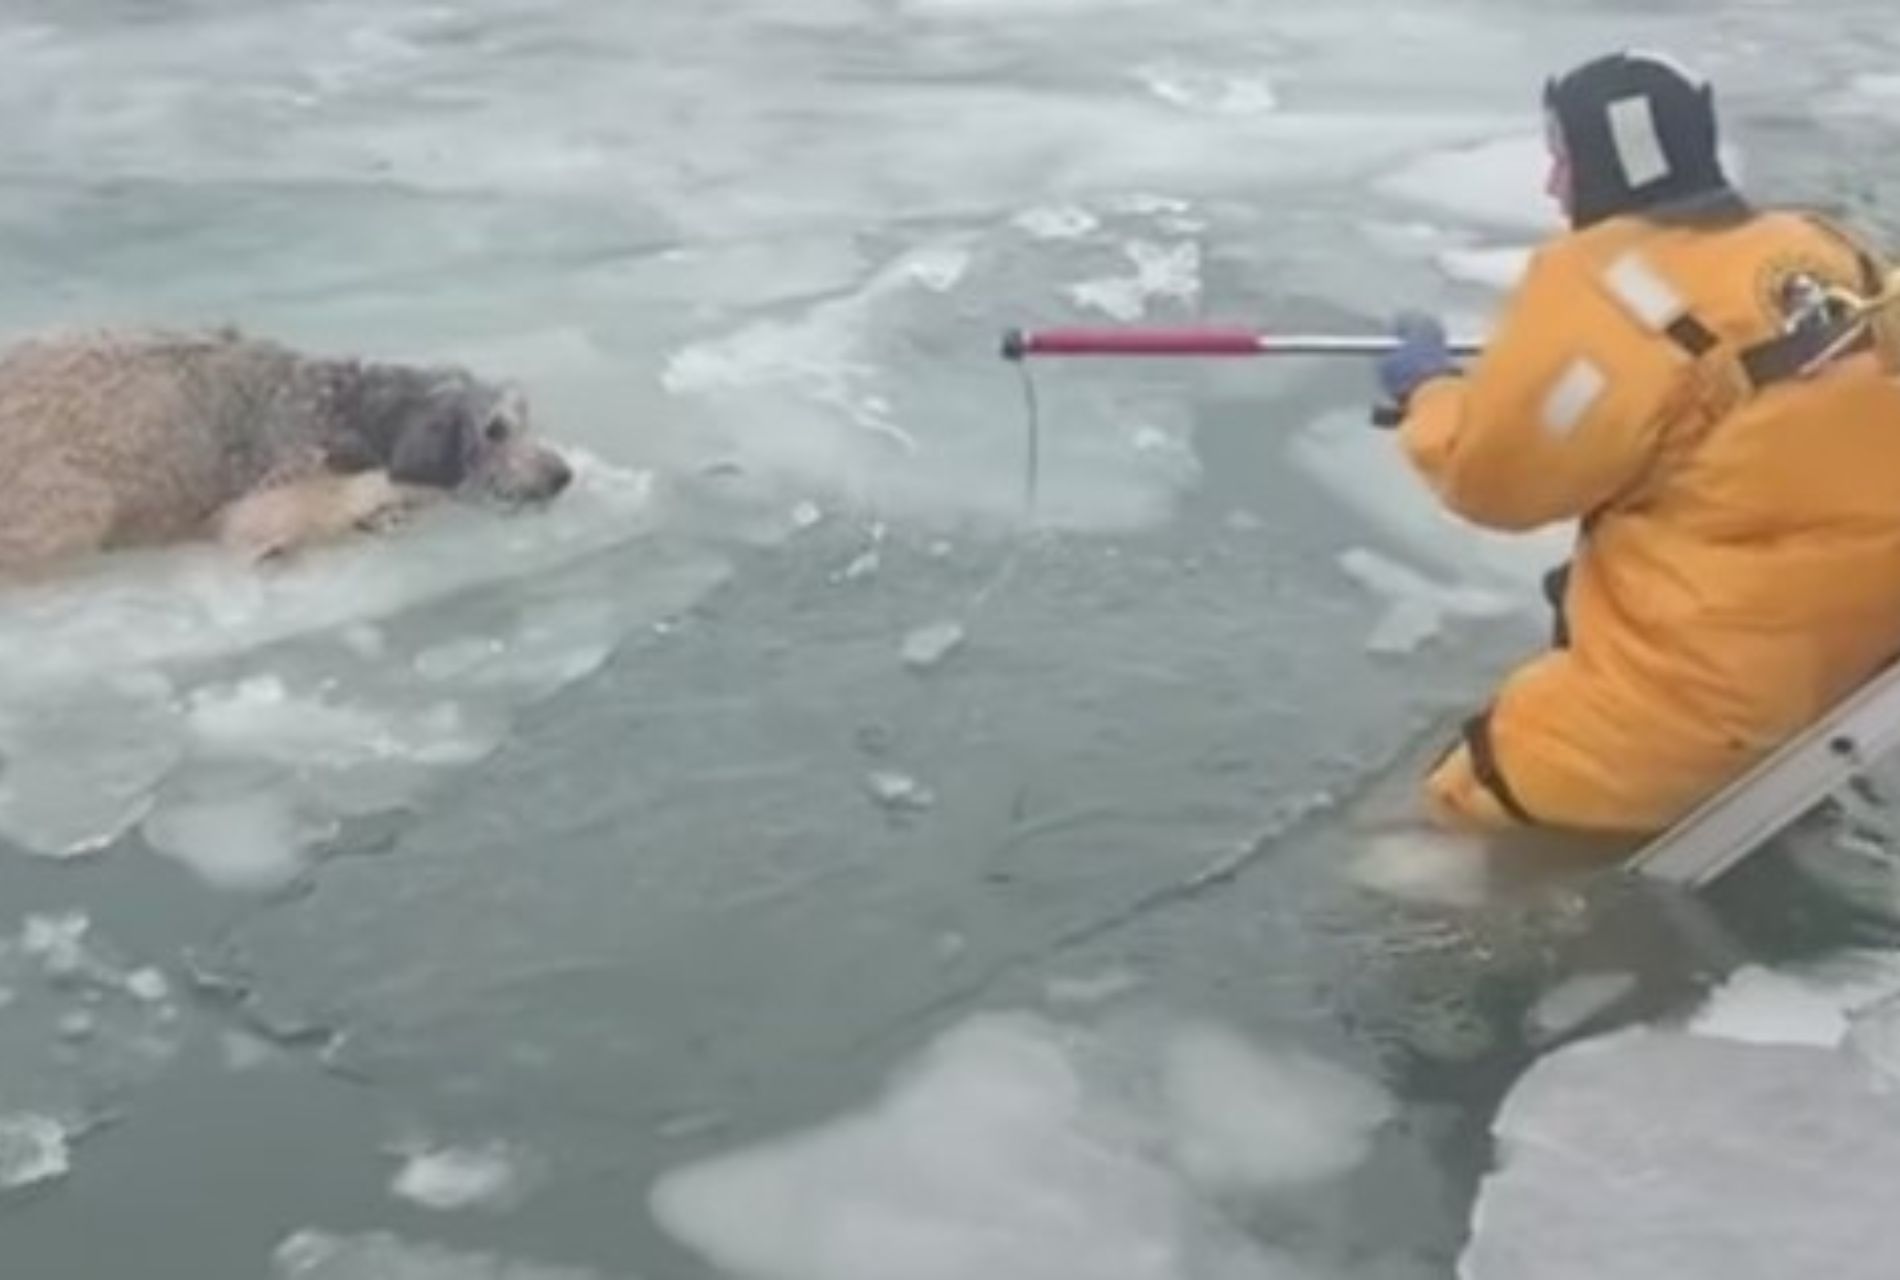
[1640, 135]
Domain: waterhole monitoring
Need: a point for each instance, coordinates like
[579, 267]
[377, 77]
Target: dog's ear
[434, 446]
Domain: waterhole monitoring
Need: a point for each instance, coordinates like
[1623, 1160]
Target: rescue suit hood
[1640, 137]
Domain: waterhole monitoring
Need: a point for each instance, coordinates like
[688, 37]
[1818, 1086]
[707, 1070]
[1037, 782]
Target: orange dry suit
[1738, 566]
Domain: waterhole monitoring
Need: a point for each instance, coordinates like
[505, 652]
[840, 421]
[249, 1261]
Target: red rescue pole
[1209, 340]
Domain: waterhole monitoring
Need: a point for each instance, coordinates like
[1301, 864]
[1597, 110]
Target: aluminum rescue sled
[1771, 797]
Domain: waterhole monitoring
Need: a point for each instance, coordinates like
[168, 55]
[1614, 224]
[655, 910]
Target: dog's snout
[557, 474]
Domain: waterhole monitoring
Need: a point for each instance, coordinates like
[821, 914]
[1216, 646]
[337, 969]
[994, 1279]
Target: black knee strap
[1484, 764]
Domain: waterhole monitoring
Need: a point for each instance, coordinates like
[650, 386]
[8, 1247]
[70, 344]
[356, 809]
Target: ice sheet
[235, 715]
[1756, 1141]
[1656, 1152]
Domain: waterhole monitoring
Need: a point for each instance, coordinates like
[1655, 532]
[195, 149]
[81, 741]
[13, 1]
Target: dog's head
[442, 429]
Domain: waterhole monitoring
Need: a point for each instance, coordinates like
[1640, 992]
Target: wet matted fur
[141, 438]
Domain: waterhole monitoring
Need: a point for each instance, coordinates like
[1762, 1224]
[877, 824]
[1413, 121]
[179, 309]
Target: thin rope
[1032, 458]
[1032, 492]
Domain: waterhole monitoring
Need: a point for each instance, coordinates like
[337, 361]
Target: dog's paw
[386, 519]
[370, 501]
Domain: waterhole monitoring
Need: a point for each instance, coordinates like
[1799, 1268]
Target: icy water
[790, 857]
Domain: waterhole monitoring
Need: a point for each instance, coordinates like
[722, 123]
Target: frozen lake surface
[788, 857]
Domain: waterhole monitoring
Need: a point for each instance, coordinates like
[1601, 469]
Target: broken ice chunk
[1404, 628]
[58, 942]
[863, 566]
[899, 791]
[1760, 1006]
[1572, 1003]
[32, 1150]
[1235, 1122]
[491, 1177]
[1423, 866]
[928, 646]
[147, 985]
[1057, 222]
[245, 843]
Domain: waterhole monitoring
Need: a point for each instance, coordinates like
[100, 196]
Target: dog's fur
[124, 439]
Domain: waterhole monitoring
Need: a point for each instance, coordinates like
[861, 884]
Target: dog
[143, 438]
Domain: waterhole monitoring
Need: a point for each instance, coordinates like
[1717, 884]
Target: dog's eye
[497, 430]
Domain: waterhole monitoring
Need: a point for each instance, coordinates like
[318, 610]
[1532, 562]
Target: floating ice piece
[1432, 867]
[1418, 607]
[261, 718]
[1161, 271]
[806, 514]
[33, 1150]
[899, 791]
[249, 843]
[864, 565]
[1875, 1039]
[1058, 222]
[938, 268]
[1155, 440]
[1866, 94]
[454, 659]
[1373, 478]
[929, 646]
[58, 942]
[1244, 1119]
[492, 1177]
[147, 985]
[1011, 1151]
[1405, 627]
[1500, 182]
[1760, 1006]
[1212, 92]
[81, 762]
[1495, 268]
[1575, 1001]
[1096, 989]
[319, 1255]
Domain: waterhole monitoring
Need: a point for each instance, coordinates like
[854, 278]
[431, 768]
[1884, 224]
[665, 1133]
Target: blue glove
[1422, 354]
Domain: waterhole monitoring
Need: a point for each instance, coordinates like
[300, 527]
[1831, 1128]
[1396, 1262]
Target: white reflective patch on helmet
[1648, 296]
[1570, 399]
[1638, 145]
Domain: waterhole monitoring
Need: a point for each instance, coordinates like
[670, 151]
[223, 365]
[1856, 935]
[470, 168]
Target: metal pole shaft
[1212, 341]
